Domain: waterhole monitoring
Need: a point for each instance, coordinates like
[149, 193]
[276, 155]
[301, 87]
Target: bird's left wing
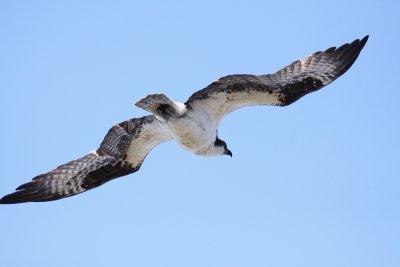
[122, 152]
[279, 89]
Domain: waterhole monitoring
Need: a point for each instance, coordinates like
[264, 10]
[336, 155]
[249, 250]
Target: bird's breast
[193, 133]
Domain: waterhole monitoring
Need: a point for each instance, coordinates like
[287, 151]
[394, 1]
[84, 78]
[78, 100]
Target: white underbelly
[193, 134]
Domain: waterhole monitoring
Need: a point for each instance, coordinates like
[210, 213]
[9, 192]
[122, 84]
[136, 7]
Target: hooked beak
[228, 152]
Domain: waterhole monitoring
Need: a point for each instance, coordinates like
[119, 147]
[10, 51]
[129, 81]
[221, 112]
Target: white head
[219, 148]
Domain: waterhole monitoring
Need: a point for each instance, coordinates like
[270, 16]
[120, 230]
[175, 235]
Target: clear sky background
[316, 183]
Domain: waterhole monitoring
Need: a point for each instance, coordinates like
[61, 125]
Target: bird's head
[221, 147]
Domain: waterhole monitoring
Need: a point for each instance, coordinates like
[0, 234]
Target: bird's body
[194, 131]
[193, 124]
[195, 134]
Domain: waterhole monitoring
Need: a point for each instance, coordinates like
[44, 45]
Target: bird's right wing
[278, 89]
[122, 152]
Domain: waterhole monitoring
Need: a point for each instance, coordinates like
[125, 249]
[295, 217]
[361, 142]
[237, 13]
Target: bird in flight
[193, 124]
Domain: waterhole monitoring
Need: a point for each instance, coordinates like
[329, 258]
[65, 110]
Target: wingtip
[359, 43]
[8, 200]
[364, 40]
[16, 197]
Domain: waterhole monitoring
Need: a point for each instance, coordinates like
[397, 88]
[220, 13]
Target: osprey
[193, 124]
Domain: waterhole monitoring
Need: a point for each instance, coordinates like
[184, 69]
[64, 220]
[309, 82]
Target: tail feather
[152, 102]
[160, 105]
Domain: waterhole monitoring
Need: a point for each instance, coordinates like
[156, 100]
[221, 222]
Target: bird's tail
[160, 105]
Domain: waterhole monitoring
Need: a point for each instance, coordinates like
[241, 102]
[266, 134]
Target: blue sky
[312, 184]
